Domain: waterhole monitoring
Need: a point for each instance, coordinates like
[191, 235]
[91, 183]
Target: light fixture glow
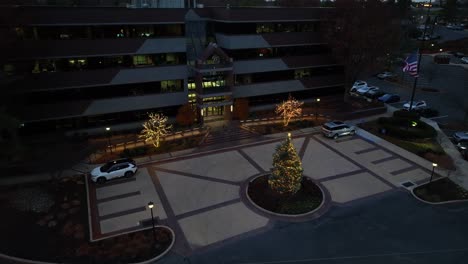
[107, 128]
[434, 164]
[150, 205]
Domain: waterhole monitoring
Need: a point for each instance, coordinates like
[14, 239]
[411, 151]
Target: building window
[142, 60]
[171, 86]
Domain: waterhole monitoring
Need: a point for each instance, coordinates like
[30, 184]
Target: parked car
[462, 146]
[418, 105]
[374, 94]
[358, 85]
[114, 169]
[461, 136]
[464, 60]
[385, 75]
[457, 54]
[368, 89]
[335, 129]
[389, 98]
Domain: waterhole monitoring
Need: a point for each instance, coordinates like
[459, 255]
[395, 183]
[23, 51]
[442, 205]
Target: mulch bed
[305, 200]
[55, 228]
[441, 191]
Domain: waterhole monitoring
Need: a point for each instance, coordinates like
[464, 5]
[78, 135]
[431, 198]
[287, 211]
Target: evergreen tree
[286, 176]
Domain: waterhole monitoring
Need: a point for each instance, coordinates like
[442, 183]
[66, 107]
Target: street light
[109, 139]
[434, 165]
[316, 108]
[150, 206]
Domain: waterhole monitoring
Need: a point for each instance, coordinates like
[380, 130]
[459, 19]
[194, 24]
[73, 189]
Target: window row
[262, 28]
[106, 120]
[249, 54]
[93, 63]
[260, 77]
[104, 92]
[99, 32]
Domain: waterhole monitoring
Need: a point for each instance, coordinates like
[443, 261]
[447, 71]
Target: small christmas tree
[286, 175]
[155, 129]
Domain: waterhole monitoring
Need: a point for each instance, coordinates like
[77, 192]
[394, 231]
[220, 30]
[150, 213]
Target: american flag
[412, 64]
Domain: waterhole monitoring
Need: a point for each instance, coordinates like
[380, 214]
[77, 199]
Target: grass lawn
[48, 221]
[305, 200]
[441, 191]
[428, 149]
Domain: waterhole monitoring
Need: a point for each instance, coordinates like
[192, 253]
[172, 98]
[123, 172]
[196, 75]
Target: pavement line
[354, 162]
[384, 159]
[251, 161]
[367, 150]
[111, 183]
[410, 168]
[208, 208]
[120, 196]
[342, 175]
[363, 256]
[304, 147]
[122, 213]
[196, 176]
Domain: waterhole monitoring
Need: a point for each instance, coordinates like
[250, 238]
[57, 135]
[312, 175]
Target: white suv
[114, 169]
[358, 85]
[334, 129]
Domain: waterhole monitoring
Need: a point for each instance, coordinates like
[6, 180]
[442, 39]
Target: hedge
[406, 114]
[401, 128]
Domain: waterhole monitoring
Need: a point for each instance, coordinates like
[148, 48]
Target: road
[449, 34]
[394, 228]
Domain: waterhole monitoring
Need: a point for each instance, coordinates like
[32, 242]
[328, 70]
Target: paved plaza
[200, 197]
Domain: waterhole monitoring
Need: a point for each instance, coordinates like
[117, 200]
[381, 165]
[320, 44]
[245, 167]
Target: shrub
[401, 128]
[429, 112]
[406, 114]
[134, 152]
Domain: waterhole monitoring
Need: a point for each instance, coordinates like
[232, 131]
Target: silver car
[460, 136]
[335, 129]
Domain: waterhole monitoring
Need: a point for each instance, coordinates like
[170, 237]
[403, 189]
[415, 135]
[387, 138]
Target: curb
[294, 216]
[143, 262]
[164, 252]
[434, 203]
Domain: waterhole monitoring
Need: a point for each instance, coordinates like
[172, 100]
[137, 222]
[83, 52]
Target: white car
[385, 75]
[464, 60]
[358, 85]
[418, 105]
[368, 89]
[114, 169]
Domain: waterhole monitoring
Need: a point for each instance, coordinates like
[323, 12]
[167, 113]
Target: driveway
[199, 196]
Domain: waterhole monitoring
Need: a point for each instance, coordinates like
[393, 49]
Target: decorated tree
[186, 115]
[155, 128]
[289, 109]
[286, 175]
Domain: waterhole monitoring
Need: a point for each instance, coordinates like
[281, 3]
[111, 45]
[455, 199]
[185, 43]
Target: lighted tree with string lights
[289, 109]
[286, 176]
[155, 128]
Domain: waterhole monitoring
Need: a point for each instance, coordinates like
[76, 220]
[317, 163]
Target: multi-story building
[87, 68]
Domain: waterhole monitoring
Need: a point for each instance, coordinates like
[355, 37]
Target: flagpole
[419, 57]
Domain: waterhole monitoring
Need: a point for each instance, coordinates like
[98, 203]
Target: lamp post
[109, 139]
[150, 206]
[434, 165]
[317, 101]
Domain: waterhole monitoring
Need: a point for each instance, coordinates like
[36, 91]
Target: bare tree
[359, 34]
[289, 109]
[155, 128]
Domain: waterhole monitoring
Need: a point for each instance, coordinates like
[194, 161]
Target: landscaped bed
[308, 198]
[441, 191]
[427, 148]
[48, 221]
[279, 127]
[164, 147]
